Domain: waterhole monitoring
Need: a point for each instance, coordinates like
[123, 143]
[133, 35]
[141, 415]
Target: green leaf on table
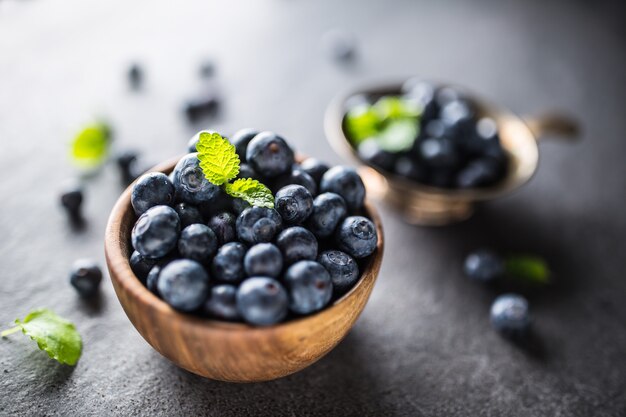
[53, 334]
[527, 269]
[218, 159]
[398, 135]
[90, 147]
[362, 122]
[251, 191]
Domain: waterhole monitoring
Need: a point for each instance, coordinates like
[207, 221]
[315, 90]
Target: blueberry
[246, 171]
[438, 152]
[153, 189]
[222, 303]
[441, 177]
[446, 95]
[477, 173]
[188, 214]
[297, 243]
[510, 315]
[341, 45]
[153, 279]
[347, 183]
[294, 203]
[206, 104]
[357, 236]
[238, 205]
[408, 168]
[433, 129]
[484, 265]
[370, 151]
[72, 200]
[197, 242]
[343, 269]
[183, 284]
[207, 69]
[485, 136]
[135, 76]
[223, 225]
[258, 225]
[262, 301]
[191, 185]
[141, 265]
[298, 177]
[126, 163]
[423, 93]
[309, 286]
[156, 232]
[85, 277]
[269, 155]
[263, 259]
[227, 265]
[241, 139]
[328, 210]
[314, 168]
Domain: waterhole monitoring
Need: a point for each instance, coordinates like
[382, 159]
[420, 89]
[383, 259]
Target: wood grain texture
[230, 351]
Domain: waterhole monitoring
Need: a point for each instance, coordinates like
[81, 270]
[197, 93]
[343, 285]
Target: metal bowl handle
[554, 124]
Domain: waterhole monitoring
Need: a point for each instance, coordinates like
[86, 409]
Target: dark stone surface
[423, 345]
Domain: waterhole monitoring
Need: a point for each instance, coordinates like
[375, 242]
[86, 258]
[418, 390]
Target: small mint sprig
[220, 163]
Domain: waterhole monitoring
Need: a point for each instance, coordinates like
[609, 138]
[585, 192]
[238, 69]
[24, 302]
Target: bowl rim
[335, 134]
[122, 274]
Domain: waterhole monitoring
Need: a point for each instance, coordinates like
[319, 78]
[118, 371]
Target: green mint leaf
[218, 158]
[398, 135]
[393, 107]
[527, 269]
[362, 122]
[90, 147]
[53, 334]
[251, 191]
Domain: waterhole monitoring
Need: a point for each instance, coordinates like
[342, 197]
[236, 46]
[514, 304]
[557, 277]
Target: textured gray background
[423, 346]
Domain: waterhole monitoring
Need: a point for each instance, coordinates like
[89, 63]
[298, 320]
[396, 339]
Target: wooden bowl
[427, 205]
[230, 351]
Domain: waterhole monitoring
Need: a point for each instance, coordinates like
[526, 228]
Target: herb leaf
[251, 191]
[53, 334]
[91, 145]
[528, 269]
[398, 135]
[218, 158]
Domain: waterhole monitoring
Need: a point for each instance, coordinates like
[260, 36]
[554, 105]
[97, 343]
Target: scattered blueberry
[141, 265]
[328, 210]
[85, 277]
[343, 269]
[314, 168]
[151, 190]
[357, 236]
[269, 154]
[297, 243]
[156, 232]
[258, 225]
[135, 76]
[241, 139]
[294, 203]
[191, 185]
[309, 286]
[347, 183]
[227, 265]
[72, 200]
[126, 163]
[197, 242]
[207, 69]
[223, 225]
[510, 315]
[222, 303]
[484, 265]
[183, 284]
[188, 214]
[262, 301]
[204, 105]
[263, 259]
[340, 45]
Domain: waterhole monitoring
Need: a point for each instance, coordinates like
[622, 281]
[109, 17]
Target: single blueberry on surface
[197, 242]
[241, 139]
[357, 236]
[204, 105]
[72, 199]
[156, 232]
[183, 284]
[152, 189]
[222, 303]
[141, 265]
[135, 76]
[85, 277]
[223, 225]
[294, 203]
[510, 314]
[258, 225]
[309, 287]
[126, 163]
[191, 185]
[269, 154]
[263, 259]
[297, 243]
[484, 265]
[262, 301]
[343, 269]
[314, 168]
[227, 265]
[328, 210]
[346, 182]
[298, 177]
[188, 214]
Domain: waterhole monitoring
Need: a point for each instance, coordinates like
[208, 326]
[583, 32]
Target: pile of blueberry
[453, 146]
[205, 252]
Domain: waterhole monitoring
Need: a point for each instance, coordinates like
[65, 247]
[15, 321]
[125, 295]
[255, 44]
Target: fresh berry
[262, 301]
[409, 168]
[484, 265]
[72, 200]
[227, 265]
[183, 284]
[423, 93]
[314, 168]
[206, 104]
[510, 315]
[478, 173]
[258, 225]
[85, 277]
[141, 265]
[269, 154]
[153, 189]
[296, 177]
[241, 139]
[297, 243]
[357, 236]
[340, 45]
[263, 259]
[223, 225]
[126, 163]
[246, 171]
[294, 203]
[347, 183]
[328, 210]
[197, 242]
[370, 151]
[191, 185]
[188, 214]
[222, 303]
[439, 152]
[207, 69]
[343, 269]
[156, 232]
[153, 279]
[135, 76]
[309, 286]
